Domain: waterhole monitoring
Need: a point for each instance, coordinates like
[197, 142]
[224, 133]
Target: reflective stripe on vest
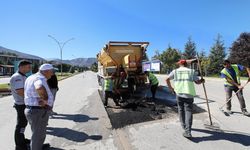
[184, 81]
[108, 85]
[225, 72]
[153, 79]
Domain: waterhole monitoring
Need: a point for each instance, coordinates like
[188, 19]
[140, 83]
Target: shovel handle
[205, 91]
[233, 96]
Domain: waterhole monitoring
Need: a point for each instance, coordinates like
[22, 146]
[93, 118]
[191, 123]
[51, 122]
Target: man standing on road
[231, 76]
[38, 101]
[184, 79]
[153, 81]
[17, 81]
[53, 85]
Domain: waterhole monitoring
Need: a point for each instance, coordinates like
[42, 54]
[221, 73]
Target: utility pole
[61, 45]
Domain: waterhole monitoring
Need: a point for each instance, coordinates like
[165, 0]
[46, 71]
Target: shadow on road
[72, 135]
[209, 100]
[74, 117]
[221, 135]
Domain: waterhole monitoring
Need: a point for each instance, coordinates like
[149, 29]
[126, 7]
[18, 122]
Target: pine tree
[204, 60]
[156, 55]
[240, 50]
[190, 49]
[169, 57]
[216, 56]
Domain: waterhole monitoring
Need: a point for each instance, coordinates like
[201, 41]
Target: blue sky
[25, 24]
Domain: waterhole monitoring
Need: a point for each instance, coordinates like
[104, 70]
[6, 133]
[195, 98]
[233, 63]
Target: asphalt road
[83, 123]
[4, 80]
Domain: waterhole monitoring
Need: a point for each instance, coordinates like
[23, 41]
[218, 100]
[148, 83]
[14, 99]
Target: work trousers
[38, 120]
[153, 90]
[229, 90]
[185, 110]
[21, 124]
[110, 94]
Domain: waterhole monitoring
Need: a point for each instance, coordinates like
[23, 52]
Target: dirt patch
[140, 110]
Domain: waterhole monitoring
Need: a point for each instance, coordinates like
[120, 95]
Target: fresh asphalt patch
[142, 109]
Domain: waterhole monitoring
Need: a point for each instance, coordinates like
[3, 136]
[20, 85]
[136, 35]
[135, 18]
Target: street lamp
[61, 45]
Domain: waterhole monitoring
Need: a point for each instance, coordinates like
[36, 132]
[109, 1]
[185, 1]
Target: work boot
[53, 113]
[46, 146]
[244, 112]
[187, 134]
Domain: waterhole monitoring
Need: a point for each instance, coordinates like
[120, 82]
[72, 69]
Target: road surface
[4, 80]
[83, 123]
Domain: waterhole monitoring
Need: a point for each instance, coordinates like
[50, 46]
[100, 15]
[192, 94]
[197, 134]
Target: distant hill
[4, 50]
[75, 62]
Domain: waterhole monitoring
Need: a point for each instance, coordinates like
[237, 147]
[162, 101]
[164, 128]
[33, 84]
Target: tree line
[211, 63]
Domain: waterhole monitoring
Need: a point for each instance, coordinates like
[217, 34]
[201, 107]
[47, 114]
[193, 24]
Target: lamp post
[61, 45]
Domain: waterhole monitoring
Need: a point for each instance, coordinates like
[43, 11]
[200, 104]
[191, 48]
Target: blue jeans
[185, 110]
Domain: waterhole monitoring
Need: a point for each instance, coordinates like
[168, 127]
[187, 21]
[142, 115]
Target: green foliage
[240, 50]
[94, 67]
[169, 57]
[157, 55]
[65, 67]
[216, 56]
[190, 49]
[205, 62]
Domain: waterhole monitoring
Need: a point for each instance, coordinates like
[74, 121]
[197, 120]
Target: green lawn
[64, 75]
[4, 86]
[59, 77]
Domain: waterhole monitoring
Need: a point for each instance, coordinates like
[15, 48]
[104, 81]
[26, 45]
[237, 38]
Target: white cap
[46, 67]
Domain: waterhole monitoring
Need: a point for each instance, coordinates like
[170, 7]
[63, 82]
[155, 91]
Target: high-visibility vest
[237, 73]
[184, 81]
[152, 78]
[108, 85]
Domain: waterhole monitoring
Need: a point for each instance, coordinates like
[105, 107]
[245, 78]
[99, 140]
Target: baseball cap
[182, 62]
[46, 67]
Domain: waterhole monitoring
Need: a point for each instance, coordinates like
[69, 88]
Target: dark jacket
[52, 82]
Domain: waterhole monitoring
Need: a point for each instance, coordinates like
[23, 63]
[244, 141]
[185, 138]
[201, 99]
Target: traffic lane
[4, 80]
[82, 121]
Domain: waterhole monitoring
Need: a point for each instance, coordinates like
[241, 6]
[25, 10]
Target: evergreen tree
[216, 56]
[156, 55]
[169, 57]
[94, 67]
[190, 49]
[204, 60]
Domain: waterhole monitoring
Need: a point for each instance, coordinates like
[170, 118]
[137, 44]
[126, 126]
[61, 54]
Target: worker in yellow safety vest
[153, 81]
[184, 79]
[231, 76]
[110, 91]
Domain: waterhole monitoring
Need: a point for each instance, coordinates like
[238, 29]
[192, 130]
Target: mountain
[76, 62]
[4, 50]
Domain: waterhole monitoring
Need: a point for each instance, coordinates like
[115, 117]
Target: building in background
[9, 63]
[152, 66]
